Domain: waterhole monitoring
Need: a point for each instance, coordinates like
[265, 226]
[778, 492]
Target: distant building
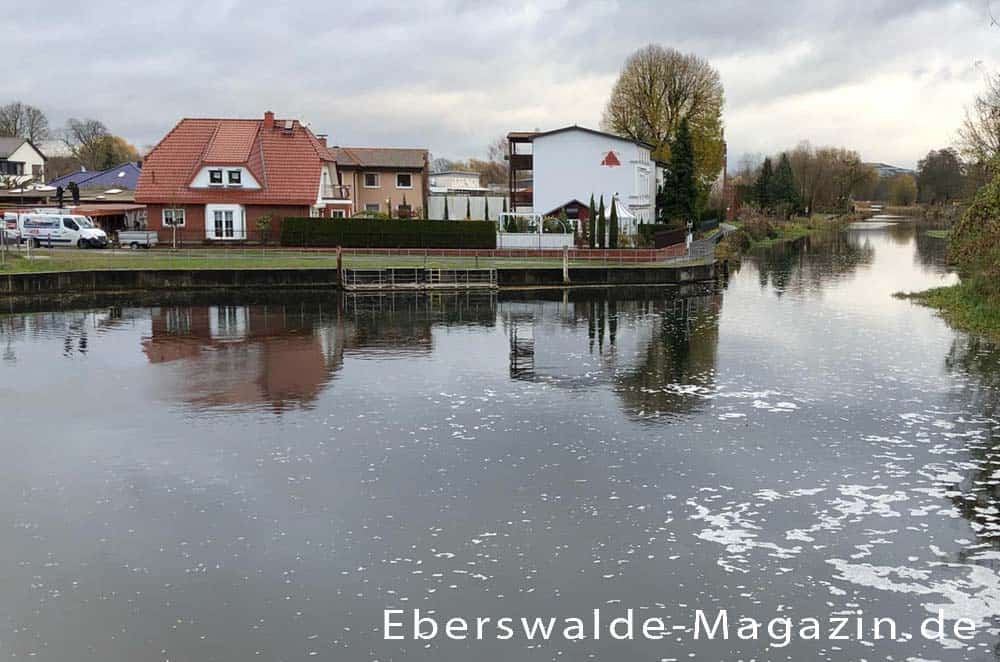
[123, 176]
[20, 162]
[379, 178]
[885, 170]
[554, 171]
[457, 181]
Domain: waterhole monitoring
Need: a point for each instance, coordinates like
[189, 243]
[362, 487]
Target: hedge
[388, 233]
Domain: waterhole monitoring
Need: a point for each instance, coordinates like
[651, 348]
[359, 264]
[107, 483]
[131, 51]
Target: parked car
[61, 230]
[138, 238]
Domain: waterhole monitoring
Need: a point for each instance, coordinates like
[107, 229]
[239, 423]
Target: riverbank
[59, 285]
[762, 232]
[962, 307]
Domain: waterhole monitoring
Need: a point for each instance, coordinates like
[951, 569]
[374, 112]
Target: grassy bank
[68, 259]
[961, 306]
[761, 232]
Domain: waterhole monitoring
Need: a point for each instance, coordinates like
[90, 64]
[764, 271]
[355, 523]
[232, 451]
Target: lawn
[71, 259]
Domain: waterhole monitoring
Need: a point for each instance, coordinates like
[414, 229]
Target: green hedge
[388, 233]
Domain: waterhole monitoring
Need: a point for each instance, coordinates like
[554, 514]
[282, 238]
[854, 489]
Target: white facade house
[553, 169]
[20, 162]
[456, 180]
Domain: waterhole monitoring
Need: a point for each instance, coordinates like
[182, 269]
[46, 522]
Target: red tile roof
[286, 162]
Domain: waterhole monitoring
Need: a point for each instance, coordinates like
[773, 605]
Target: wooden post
[340, 268]
[565, 264]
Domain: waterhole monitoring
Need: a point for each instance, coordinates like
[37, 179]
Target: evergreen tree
[486, 208]
[613, 224]
[446, 208]
[679, 194]
[764, 186]
[601, 233]
[784, 191]
[591, 220]
[468, 208]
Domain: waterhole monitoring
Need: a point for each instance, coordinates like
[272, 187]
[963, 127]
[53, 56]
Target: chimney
[269, 120]
[322, 139]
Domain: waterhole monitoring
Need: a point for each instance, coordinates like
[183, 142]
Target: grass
[961, 307]
[70, 259]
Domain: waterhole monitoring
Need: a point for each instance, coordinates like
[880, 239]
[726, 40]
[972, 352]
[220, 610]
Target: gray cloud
[451, 75]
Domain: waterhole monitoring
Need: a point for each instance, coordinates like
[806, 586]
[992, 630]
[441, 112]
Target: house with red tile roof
[214, 179]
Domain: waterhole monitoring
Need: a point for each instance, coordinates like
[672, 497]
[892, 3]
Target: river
[238, 480]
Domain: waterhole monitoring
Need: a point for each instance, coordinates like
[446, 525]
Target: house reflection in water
[246, 355]
[281, 356]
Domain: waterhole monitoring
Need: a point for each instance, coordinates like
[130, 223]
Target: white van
[61, 230]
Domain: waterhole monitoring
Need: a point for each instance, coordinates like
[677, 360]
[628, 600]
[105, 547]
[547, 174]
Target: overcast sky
[888, 78]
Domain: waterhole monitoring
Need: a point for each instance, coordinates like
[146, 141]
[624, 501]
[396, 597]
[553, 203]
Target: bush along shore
[974, 249]
[756, 230]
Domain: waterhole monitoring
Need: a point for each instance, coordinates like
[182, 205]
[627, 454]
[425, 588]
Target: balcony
[524, 197]
[336, 192]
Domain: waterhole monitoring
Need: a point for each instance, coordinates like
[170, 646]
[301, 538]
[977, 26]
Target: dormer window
[235, 178]
[215, 177]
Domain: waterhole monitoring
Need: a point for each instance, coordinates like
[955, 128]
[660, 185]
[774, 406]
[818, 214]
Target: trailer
[135, 239]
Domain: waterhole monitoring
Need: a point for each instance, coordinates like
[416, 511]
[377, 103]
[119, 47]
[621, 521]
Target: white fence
[458, 204]
[534, 240]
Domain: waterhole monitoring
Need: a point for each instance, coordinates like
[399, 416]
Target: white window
[215, 177]
[173, 217]
[224, 227]
[371, 180]
[371, 206]
[642, 185]
[235, 178]
[336, 213]
[225, 222]
[404, 180]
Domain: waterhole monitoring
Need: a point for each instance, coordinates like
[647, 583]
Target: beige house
[384, 179]
[20, 162]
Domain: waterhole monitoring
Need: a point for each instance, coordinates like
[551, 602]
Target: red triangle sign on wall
[611, 160]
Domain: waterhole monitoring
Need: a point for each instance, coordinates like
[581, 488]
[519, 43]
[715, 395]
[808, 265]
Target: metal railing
[336, 192]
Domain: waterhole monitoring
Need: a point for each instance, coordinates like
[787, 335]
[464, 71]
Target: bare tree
[657, 88]
[979, 136]
[81, 134]
[20, 120]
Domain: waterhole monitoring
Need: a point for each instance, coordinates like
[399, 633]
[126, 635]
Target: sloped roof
[379, 157]
[232, 141]
[10, 145]
[286, 162]
[541, 134]
[124, 176]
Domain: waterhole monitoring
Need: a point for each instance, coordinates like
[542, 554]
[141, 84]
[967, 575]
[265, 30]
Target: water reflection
[260, 478]
[656, 352]
[804, 264]
[285, 355]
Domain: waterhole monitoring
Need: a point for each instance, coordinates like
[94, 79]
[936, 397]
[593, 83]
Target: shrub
[396, 233]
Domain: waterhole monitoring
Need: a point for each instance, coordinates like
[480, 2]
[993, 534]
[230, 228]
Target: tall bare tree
[657, 89]
[979, 136]
[19, 120]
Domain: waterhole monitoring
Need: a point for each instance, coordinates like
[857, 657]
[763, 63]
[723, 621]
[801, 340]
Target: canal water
[251, 479]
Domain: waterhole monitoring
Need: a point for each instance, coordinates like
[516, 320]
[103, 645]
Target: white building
[20, 162]
[553, 171]
[449, 181]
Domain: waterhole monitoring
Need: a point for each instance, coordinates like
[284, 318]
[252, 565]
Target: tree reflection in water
[657, 350]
